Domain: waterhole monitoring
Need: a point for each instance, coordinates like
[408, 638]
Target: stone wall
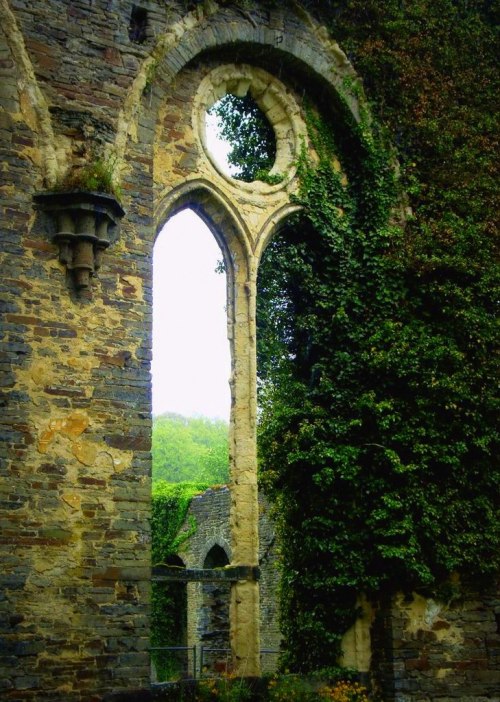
[210, 512]
[77, 82]
[431, 650]
[75, 407]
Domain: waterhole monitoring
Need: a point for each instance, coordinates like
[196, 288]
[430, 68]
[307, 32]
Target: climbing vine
[170, 503]
[376, 342]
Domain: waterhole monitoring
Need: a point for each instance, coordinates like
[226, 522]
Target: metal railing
[225, 665]
[170, 667]
[194, 664]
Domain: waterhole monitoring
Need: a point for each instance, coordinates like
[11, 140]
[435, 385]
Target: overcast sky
[191, 361]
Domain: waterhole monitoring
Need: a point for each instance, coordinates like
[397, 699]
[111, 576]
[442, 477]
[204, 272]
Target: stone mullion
[245, 639]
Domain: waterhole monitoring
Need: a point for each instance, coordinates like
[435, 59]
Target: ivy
[170, 504]
[376, 343]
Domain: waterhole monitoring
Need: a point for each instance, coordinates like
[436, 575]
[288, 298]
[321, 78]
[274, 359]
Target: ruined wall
[76, 82]
[210, 511]
[75, 385]
[76, 422]
[430, 649]
[208, 603]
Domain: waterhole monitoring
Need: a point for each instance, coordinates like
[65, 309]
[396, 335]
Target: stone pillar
[245, 638]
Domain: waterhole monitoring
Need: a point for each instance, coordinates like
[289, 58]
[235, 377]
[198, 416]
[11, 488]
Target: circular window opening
[241, 139]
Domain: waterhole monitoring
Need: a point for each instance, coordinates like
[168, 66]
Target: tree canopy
[190, 449]
[253, 144]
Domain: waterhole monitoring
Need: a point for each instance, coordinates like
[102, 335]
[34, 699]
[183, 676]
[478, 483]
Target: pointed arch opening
[171, 658]
[213, 622]
[191, 354]
[191, 366]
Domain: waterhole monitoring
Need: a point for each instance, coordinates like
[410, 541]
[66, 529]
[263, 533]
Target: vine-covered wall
[377, 340]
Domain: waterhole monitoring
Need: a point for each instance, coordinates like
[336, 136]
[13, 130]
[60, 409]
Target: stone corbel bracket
[86, 224]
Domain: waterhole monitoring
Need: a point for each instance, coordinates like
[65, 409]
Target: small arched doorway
[213, 622]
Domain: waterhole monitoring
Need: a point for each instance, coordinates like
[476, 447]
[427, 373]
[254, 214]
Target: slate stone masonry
[75, 395]
[210, 512]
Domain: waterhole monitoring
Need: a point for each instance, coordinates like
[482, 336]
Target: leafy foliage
[224, 689]
[291, 688]
[243, 124]
[377, 344]
[97, 176]
[190, 449]
[284, 688]
[196, 449]
[170, 503]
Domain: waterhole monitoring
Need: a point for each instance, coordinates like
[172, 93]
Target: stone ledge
[227, 574]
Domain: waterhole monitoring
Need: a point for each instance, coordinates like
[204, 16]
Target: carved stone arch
[216, 211]
[220, 543]
[300, 47]
[274, 225]
[213, 625]
[164, 121]
[224, 223]
[303, 45]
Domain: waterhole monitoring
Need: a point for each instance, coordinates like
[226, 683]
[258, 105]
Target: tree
[193, 449]
[243, 124]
